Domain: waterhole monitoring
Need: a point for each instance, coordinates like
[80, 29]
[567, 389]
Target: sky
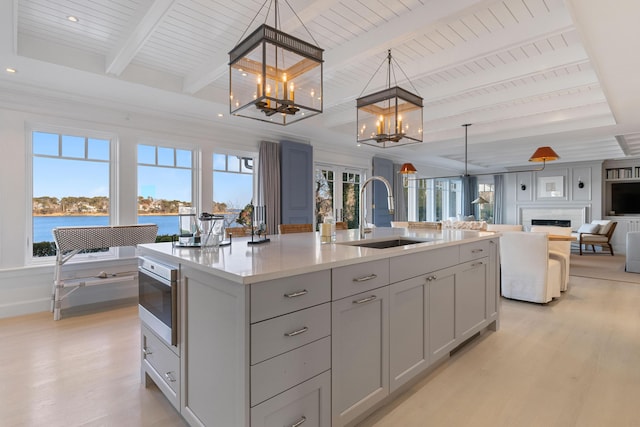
[60, 177]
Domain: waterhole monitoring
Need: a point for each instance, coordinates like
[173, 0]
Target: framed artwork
[550, 186]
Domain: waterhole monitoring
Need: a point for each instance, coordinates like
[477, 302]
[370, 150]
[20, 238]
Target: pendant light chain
[302, 23]
[371, 78]
[252, 21]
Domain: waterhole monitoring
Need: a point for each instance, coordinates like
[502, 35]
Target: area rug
[602, 266]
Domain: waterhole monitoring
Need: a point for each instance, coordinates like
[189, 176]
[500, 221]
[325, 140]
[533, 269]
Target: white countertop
[292, 254]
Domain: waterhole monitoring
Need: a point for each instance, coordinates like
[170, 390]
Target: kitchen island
[294, 332]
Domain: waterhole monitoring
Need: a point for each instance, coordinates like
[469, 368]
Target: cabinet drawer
[305, 405]
[284, 333]
[413, 265]
[280, 373]
[160, 358]
[276, 297]
[353, 279]
[474, 250]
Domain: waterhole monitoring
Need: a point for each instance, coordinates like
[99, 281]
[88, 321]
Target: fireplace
[567, 216]
[554, 222]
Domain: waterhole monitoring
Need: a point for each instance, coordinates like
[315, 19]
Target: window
[232, 185]
[337, 193]
[165, 182]
[435, 199]
[71, 185]
[485, 211]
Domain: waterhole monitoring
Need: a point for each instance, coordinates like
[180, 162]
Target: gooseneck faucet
[389, 201]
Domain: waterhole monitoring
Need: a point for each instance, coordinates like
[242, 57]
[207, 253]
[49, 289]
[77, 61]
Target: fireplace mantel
[576, 214]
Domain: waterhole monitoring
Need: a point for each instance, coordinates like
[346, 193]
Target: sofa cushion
[589, 228]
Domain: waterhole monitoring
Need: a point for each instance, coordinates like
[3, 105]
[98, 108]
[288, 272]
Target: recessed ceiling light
[72, 18]
[11, 70]
[220, 115]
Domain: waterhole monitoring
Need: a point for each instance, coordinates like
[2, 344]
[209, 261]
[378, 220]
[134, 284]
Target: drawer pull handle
[475, 251]
[475, 264]
[363, 300]
[297, 293]
[299, 422]
[146, 351]
[298, 332]
[365, 278]
[169, 377]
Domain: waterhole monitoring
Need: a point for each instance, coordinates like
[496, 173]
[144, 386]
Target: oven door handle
[174, 313]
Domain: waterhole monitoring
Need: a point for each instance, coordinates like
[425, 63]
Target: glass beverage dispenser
[188, 234]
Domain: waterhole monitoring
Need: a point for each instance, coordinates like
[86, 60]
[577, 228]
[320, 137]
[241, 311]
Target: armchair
[558, 250]
[528, 273]
[602, 237]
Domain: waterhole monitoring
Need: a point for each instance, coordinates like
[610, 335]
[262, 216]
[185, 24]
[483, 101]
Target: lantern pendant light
[275, 77]
[391, 117]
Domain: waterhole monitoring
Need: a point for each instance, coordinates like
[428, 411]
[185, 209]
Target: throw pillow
[605, 225]
[589, 228]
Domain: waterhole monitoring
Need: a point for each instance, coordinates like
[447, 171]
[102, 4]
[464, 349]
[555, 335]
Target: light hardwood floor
[573, 362]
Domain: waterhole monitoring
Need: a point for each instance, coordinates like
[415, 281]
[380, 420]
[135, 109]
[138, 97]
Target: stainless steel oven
[158, 298]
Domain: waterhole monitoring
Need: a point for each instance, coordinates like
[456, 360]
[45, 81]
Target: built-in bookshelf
[631, 172]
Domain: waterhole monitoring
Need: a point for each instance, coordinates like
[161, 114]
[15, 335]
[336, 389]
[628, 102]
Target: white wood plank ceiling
[525, 72]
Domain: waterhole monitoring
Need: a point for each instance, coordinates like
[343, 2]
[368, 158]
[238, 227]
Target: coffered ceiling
[525, 73]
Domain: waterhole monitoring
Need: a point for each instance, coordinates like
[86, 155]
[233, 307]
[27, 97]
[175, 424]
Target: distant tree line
[84, 205]
[97, 205]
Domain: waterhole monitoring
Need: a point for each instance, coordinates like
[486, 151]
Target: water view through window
[165, 176]
[71, 185]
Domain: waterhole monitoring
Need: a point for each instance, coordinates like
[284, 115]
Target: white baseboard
[28, 290]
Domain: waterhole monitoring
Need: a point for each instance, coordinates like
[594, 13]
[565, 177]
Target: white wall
[25, 287]
[589, 197]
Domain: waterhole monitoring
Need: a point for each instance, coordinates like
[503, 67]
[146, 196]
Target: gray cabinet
[305, 405]
[215, 358]
[160, 364]
[470, 294]
[322, 348]
[408, 330]
[442, 333]
[459, 302]
[359, 354]
[256, 354]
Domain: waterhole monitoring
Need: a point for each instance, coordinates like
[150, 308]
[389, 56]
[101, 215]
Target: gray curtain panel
[269, 183]
[498, 198]
[469, 194]
[399, 194]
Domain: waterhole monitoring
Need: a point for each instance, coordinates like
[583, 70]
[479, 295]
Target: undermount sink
[387, 243]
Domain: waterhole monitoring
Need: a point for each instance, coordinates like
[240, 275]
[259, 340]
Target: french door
[337, 193]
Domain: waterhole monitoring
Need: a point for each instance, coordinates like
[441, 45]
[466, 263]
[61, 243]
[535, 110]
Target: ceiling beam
[143, 26]
[397, 31]
[491, 44]
[610, 36]
[8, 29]
[528, 94]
